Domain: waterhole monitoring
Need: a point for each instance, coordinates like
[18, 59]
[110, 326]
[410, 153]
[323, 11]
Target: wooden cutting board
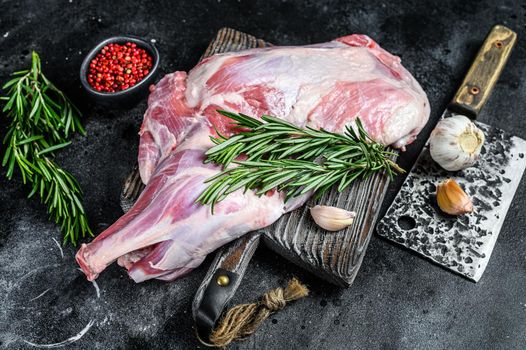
[333, 256]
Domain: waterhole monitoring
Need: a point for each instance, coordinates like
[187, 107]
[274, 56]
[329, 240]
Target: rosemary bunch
[41, 120]
[291, 159]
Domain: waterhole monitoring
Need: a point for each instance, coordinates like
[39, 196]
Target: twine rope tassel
[242, 320]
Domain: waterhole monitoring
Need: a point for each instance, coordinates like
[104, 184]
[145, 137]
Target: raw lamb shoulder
[166, 234]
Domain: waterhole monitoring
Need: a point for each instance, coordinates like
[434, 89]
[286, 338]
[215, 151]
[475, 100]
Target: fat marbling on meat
[166, 234]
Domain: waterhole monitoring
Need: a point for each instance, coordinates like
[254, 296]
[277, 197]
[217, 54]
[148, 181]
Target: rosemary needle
[41, 119]
[294, 160]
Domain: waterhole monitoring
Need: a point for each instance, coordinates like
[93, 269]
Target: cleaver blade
[463, 244]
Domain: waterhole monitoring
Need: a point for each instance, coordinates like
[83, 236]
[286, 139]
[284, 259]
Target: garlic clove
[452, 199]
[332, 218]
[455, 143]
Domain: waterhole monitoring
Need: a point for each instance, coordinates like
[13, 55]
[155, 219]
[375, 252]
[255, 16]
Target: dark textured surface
[398, 300]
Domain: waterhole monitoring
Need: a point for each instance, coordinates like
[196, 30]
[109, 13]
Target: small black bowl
[131, 95]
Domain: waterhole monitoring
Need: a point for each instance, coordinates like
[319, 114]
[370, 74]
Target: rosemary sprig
[41, 120]
[291, 159]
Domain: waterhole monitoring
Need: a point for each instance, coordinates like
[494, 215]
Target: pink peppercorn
[117, 67]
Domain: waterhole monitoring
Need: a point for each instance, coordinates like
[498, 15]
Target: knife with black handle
[221, 282]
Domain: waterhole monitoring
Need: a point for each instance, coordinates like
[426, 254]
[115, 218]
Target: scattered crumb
[67, 311]
[6, 34]
[99, 20]
[104, 321]
[70, 1]
[153, 41]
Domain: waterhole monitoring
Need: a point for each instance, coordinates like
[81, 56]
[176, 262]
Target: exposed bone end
[82, 260]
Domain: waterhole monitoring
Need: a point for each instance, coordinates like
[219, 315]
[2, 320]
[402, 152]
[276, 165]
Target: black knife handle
[484, 71]
[221, 282]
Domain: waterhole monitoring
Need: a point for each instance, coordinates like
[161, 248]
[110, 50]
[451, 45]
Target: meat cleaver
[463, 244]
[335, 257]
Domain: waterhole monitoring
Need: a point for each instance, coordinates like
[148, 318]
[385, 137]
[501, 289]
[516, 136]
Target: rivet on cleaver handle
[484, 72]
[221, 282]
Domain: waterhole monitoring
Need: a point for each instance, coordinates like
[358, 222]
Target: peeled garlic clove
[455, 143]
[452, 199]
[332, 218]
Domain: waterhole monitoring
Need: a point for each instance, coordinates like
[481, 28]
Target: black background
[398, 300]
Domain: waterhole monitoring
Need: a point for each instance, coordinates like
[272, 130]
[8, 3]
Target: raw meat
[166, 234]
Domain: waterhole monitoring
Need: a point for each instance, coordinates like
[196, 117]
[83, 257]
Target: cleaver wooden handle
[485, 71]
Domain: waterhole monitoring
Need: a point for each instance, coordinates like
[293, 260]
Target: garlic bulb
[452, 199]
[332, 218]
[455, 143]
